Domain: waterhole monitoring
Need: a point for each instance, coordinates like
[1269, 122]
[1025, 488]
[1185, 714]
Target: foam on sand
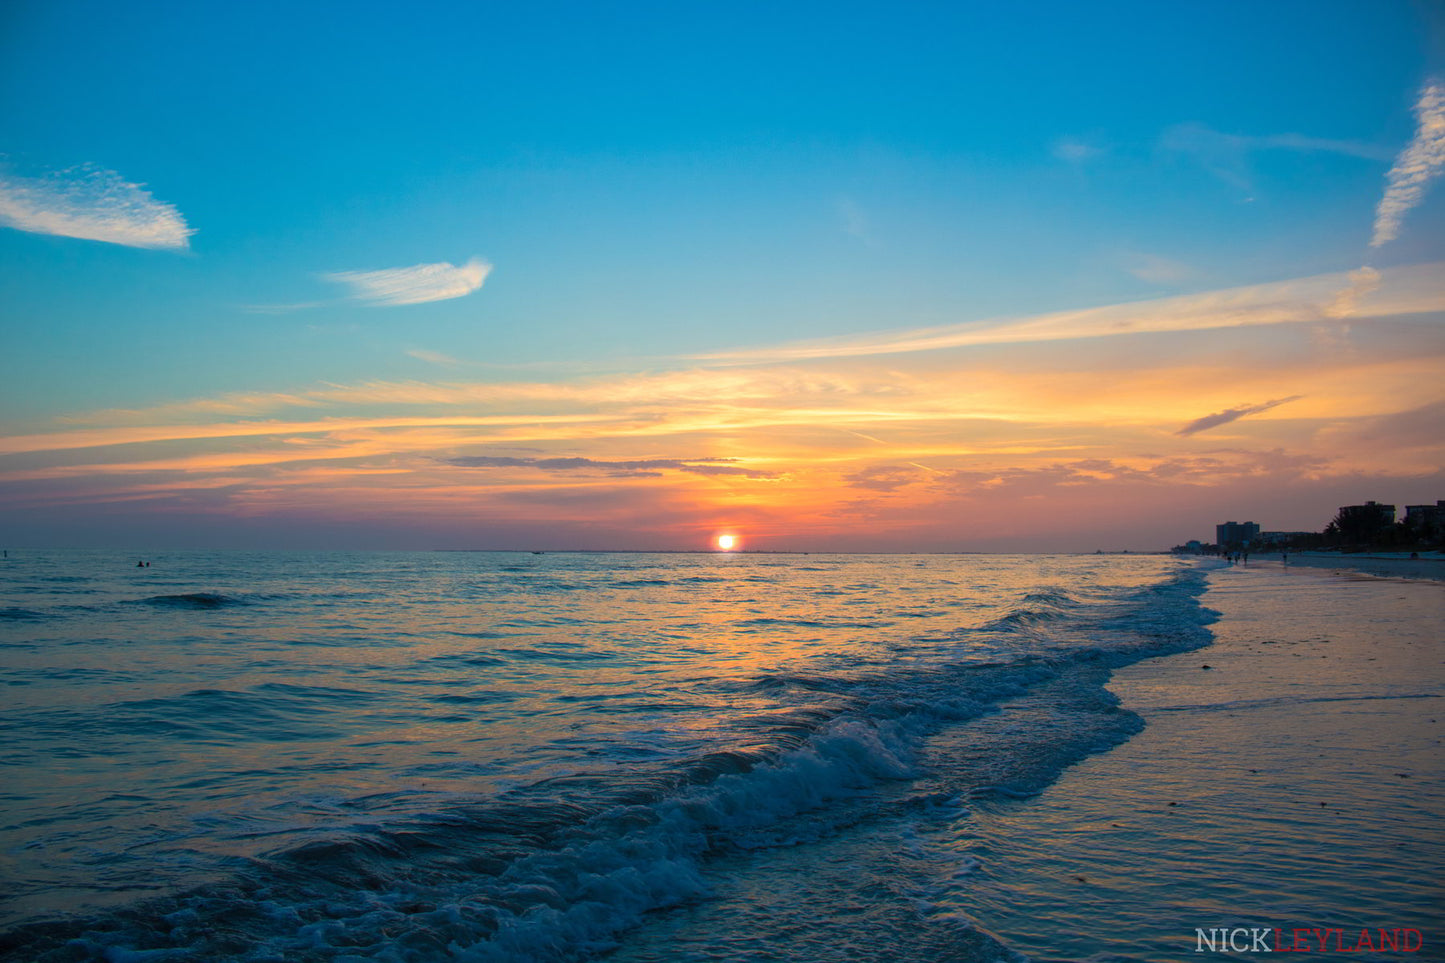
[1289, 776]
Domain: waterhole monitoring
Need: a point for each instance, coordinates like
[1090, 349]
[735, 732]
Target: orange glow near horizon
[1109, 436]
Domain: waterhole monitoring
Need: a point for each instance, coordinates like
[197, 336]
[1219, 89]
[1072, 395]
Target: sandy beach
[1427, 565]
[1290, 777]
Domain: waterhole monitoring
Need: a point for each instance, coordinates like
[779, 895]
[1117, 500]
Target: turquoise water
[494, 756]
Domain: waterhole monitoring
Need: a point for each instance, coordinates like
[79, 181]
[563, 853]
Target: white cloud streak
[1348, 148]
[1158, 270]
[414, 285]
[1363, 282]
[92, 204]
[1227, 156]
[432, 357]
[1076, 150]
[1397, 291]
[1420, 163]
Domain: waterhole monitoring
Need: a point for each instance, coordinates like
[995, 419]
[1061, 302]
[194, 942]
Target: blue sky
[221, 207]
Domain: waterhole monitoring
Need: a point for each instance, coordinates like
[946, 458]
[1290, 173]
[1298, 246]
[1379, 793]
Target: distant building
[1362, 524]
[1383, 514]
[1426, 521]
[1233, 536]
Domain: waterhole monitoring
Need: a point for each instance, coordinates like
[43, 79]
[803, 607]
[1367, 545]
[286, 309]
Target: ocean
[541, 757]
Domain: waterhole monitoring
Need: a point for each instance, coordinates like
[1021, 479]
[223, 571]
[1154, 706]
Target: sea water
[539, 757]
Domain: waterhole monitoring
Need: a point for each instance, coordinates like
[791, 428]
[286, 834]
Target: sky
[850, 276]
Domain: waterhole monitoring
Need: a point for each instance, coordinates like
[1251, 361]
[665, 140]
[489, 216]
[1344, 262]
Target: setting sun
[727, 542]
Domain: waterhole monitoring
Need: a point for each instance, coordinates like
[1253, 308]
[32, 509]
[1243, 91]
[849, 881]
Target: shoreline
[1289, 775]
[1429, 565]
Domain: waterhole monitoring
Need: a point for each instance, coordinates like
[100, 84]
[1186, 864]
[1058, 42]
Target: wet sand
[1290, 776]
[1430, 565]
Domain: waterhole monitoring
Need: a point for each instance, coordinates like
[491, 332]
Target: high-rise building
[1233, 536]
[1426, 521]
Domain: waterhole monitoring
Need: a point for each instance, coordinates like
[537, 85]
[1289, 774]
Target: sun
[727, 543]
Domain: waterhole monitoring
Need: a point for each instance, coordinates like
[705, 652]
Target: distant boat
[539, 553]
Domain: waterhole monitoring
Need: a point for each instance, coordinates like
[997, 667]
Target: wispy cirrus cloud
[417, 284]
[1158, 270]
[1363, 282]
[696, 466]
[1419, 163]
[885, 477]
[1076, 150]
[433, 357]
[1395, 291]
[144, 434]
[1226, 156]
[92, 204]
[1231, 414]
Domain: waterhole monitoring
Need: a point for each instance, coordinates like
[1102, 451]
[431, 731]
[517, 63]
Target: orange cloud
[927, 442]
